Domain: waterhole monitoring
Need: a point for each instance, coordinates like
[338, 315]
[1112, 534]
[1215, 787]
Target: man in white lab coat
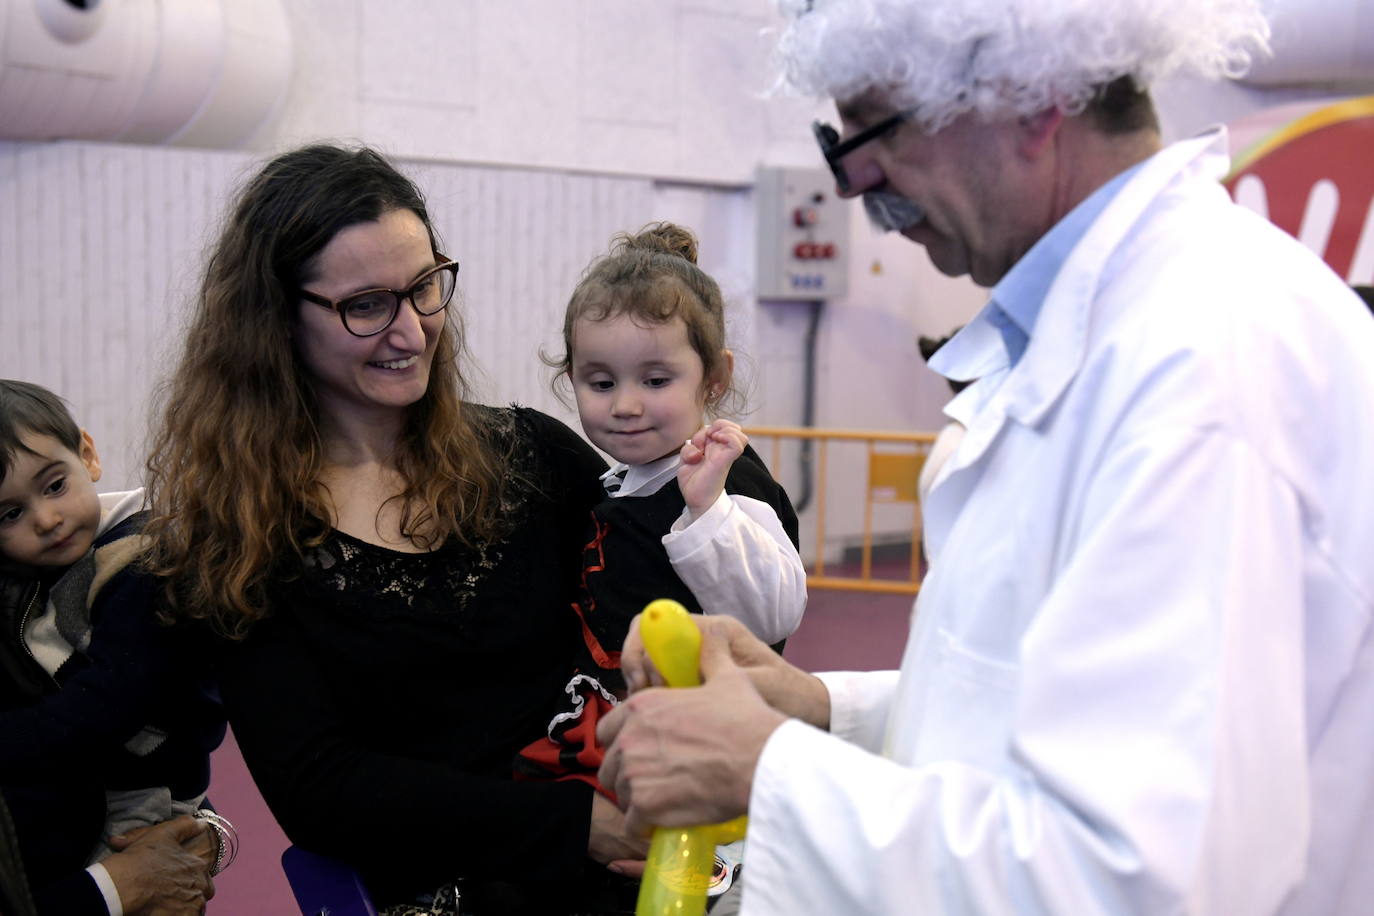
[1140, 677]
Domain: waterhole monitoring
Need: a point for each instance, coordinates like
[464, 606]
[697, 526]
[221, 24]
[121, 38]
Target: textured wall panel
[661, 90]
[101, 245]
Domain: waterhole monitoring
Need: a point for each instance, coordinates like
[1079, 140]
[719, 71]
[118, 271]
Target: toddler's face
[49, 510]
[640, 391]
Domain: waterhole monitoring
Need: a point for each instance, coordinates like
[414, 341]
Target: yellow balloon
[678, 871]
[673, 642]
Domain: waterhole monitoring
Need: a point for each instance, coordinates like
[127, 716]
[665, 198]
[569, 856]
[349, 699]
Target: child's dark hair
[653, 277]
[26, 408]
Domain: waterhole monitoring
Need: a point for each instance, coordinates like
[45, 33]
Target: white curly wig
[943, 58]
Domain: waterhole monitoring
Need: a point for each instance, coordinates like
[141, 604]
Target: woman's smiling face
[356, 377]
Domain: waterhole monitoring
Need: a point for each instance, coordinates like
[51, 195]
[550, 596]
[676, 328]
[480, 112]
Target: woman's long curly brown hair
[234, 466]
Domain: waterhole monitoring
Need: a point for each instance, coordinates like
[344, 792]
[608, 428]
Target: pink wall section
[254, 885]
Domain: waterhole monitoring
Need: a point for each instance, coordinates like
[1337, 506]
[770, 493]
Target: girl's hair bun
[668, 238]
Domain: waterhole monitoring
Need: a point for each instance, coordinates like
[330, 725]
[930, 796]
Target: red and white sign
[1314, 177]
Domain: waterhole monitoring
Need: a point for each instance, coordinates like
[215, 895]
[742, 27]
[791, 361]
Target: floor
[842, 631]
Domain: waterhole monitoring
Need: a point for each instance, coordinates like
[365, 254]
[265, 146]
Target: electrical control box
[803, 235]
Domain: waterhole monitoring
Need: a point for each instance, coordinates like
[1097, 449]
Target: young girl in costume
[691, 511]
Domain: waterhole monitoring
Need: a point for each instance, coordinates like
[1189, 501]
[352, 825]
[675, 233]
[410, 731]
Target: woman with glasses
[391, 563]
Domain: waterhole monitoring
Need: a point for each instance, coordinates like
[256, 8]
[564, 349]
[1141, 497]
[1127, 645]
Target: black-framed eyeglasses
[834, 149]
[373, 310]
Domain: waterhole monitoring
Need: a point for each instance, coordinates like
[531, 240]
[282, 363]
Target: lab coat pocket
[969, 706]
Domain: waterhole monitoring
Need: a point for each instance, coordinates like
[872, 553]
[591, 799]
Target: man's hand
[683, 757]
[158, 872]
[706, 460]
[788, 689]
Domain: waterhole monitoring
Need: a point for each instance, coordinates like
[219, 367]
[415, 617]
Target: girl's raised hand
[706, 459]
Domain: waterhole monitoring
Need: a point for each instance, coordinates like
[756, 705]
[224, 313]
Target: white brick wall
[669, 89]
[101, 244]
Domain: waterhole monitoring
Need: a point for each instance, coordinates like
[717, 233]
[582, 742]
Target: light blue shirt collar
[1016, 300]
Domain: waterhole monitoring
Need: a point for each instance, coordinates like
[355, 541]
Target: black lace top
[444, 583]
[381, 705]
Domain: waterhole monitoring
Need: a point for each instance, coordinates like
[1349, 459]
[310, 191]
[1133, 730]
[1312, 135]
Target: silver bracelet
[226, 839]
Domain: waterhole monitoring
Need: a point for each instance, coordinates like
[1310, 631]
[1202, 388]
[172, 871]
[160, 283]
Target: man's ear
[89, 457]
[1035, 132]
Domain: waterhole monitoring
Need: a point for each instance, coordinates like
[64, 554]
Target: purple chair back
[325, 886]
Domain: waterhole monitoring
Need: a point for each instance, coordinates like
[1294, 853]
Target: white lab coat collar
[1027, 391]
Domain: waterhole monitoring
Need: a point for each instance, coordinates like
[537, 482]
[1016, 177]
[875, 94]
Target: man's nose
[863, 172]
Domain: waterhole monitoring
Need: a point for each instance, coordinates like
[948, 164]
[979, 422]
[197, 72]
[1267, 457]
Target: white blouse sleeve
[737, 560]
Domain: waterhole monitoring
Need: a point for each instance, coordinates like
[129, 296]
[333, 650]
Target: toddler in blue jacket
[93, 687]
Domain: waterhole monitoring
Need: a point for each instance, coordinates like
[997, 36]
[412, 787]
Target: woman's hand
[203, 844]
[163, 870]
[611, 844]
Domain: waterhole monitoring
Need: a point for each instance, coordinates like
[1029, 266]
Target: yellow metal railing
[892, 476]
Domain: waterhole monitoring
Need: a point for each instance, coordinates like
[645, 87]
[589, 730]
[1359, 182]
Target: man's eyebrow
[858, 111]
